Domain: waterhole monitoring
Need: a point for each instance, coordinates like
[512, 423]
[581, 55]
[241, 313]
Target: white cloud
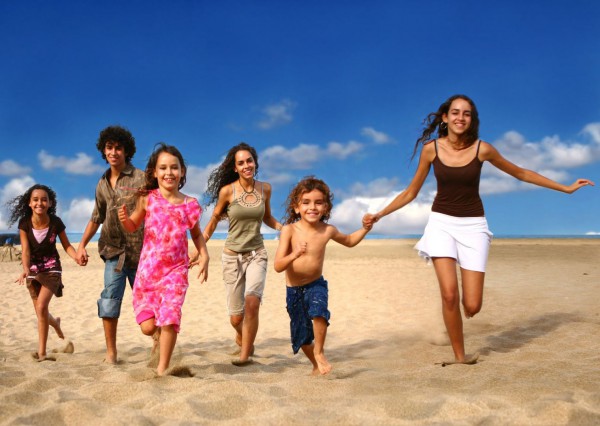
[82, 164]
[411, 219]
[12, 168]
[550, 157]
[275, 115]
[342, 151]
[12, 189]
[78, 214]
[592, 233]
[376, 136]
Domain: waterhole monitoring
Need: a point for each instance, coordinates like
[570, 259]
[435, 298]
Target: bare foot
[242, 362]
[110, 359]
[469, 360]
[40, 358]
[324, 365]
[58, 330]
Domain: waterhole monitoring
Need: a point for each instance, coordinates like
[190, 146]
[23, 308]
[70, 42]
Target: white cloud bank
[376, 136]
[12, 168]
[82, 164]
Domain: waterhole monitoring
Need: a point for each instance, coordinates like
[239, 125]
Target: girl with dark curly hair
[457, 231]
[245, 201]
[39, 226]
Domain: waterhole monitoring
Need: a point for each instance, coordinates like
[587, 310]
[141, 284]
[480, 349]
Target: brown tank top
[458, 187]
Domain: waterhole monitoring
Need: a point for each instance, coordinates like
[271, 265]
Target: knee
[41, 310]
[251, 306]
[450, 299]
[148, 328]
[236, 320]
[471, 308]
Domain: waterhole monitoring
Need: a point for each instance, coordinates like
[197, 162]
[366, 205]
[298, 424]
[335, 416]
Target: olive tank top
[245, 220]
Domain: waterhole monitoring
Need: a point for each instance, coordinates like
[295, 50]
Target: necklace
[249, 198]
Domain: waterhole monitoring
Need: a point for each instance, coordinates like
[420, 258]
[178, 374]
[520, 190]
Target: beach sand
[538, 335]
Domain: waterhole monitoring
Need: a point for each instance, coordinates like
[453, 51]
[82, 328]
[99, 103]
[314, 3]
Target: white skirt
[466, 239]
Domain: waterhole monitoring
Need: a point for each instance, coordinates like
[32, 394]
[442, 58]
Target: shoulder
[24, 223]
[487, 151]
[57, 221]
[428, 151]
[266, 186]
[226, 191]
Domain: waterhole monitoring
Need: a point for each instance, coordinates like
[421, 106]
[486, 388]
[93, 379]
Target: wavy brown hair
[225, 173]
[307, 184]
[19, 206]
[433, 123]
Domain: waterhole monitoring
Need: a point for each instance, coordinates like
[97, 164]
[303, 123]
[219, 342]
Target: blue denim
[109, 304]
[303, 304]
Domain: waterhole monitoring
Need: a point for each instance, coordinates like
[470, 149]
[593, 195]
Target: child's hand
[123, 215]
[299, 249]
[22, 278]
[369, 220]
[203, 273]
[193, 260]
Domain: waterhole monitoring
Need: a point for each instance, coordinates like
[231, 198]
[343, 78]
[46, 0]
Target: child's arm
[64, 240]
[200, 244]
[25, 257]
[352, 239]
[133, 222]
[286, 254]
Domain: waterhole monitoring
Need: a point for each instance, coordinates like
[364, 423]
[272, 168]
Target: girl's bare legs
[445, 269]
[246, 327]
[41, 310]
[320, 330]
[168, 338]
[53, 322]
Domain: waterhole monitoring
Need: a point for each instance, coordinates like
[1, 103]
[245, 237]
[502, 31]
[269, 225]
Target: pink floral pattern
[162, 276]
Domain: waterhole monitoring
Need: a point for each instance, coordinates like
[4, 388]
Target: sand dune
[538, 335]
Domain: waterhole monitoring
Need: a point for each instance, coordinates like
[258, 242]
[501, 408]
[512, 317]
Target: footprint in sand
[68, 349]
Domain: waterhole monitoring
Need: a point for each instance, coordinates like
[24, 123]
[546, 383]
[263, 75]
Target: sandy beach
[538, 335]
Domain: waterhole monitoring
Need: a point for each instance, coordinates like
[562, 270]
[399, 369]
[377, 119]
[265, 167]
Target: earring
[443, 125]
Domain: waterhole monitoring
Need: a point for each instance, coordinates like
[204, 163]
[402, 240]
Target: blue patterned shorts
[303, 304]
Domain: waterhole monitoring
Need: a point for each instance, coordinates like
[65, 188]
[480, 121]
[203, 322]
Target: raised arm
[411, 192]
[491, 154]
[133, 222]
[349, 240]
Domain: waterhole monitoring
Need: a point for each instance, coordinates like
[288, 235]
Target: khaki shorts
[244, 275]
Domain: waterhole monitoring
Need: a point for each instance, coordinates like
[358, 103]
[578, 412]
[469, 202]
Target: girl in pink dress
[162, 276]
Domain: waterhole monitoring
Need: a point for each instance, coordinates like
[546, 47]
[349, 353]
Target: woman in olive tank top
[457, 231]
[245, 202]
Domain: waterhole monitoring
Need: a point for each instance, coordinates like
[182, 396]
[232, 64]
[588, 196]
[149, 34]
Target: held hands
[369, 220]
[578, 184]
[81, 257]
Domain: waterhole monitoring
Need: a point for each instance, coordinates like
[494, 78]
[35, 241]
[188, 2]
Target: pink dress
[161, 280]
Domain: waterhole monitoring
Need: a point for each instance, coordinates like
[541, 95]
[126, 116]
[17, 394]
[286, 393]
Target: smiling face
[115, 155]
[312, 206]
[168, 171]
[39, 202]
[244, 164]
[458, 117]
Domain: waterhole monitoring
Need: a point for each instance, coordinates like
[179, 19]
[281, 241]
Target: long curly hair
[225, 173]
[159, 148]
[120, 135]
[19, 206]
[307, 184]
[433, 123]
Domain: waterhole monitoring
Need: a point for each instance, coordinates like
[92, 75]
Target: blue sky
[335, 89]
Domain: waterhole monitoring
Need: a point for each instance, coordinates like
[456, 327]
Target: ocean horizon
[75, 237]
